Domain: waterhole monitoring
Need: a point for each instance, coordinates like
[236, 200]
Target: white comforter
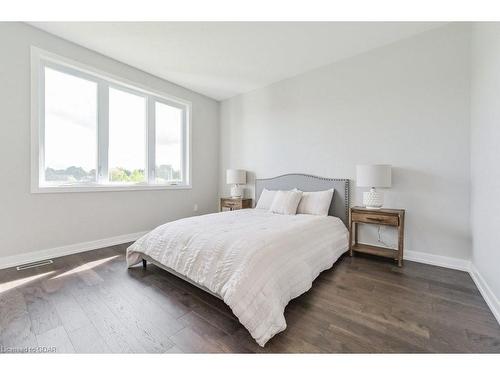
[254, 260]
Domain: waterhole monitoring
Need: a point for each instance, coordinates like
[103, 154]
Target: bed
[254, 260]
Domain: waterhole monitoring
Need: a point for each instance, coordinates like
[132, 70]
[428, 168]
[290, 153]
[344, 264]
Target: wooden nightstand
[235, 203]
[384, 216]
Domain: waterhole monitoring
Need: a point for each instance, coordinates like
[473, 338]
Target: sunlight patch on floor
[15, 283]
[85, 267]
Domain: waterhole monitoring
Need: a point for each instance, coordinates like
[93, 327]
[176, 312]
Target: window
[70, 128]
[92, 132]
[127, 137]
[168, 157]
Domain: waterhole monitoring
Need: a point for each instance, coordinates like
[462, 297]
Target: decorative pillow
[286, 202]
[315, 202]
[266, 199]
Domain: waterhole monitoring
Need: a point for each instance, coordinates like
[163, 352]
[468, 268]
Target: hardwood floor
[90, 302]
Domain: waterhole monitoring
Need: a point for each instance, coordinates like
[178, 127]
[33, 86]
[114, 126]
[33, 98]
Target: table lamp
[236, 177]
[373, 176]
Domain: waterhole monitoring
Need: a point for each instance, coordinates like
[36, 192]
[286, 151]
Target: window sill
[104, 188]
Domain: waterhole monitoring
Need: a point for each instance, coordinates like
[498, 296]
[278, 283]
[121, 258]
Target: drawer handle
[375, 218]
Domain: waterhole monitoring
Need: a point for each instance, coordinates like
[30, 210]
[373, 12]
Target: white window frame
[39, 60]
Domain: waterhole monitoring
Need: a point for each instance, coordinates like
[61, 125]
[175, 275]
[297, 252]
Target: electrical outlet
[195, 207]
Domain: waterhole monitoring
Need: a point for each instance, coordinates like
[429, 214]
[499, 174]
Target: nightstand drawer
[375, 218]
[231, 204]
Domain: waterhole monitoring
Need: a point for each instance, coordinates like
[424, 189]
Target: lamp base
[236, 191]
[373, 199]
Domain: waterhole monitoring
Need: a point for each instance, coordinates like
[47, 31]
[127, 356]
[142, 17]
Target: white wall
[485, 156]
[32, 222]
[406, 104]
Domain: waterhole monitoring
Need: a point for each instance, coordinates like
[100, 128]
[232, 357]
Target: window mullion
[41, 129]
[103, 133]
[185, 144]
[151, 141]
[183, 147]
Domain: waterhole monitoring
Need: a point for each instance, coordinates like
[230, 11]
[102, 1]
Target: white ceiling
[223, 59]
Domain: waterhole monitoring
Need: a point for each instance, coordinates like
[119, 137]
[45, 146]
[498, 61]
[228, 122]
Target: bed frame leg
[144, 263]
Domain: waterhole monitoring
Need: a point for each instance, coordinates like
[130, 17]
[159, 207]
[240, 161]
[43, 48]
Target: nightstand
[235, 203]
[383, 216]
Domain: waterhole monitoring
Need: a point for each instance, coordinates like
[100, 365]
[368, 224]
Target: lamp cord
[380, 237]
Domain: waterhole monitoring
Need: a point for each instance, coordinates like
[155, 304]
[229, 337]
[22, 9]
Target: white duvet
[254, 260]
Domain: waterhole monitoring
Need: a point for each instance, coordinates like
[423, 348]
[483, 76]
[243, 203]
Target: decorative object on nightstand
[236, 177]
[235, 203]
[373, 176]
[384, 216]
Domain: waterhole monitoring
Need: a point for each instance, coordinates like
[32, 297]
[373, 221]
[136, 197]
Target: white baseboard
[486, 292]
[35, 256]
[438, 260]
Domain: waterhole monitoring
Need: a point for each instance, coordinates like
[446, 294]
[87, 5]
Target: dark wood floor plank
[292, 344]
[174, 350]
[71, 314]
[201, 336]
[87, 339]
[56, 338]
[171, 298]
[149, 311]
[111, 328]
[15, 322]
[189, 341]
[485, 343]
[152, 334]
[42, 311]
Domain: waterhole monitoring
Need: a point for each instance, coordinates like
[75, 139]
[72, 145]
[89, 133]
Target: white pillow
[286, 202]
[315, 202]
[266, 199]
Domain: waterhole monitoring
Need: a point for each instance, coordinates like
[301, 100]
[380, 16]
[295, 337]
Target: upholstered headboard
[304, 182]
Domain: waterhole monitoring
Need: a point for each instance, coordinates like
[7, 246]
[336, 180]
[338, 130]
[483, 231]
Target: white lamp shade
[373, 175]
[236, 176]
